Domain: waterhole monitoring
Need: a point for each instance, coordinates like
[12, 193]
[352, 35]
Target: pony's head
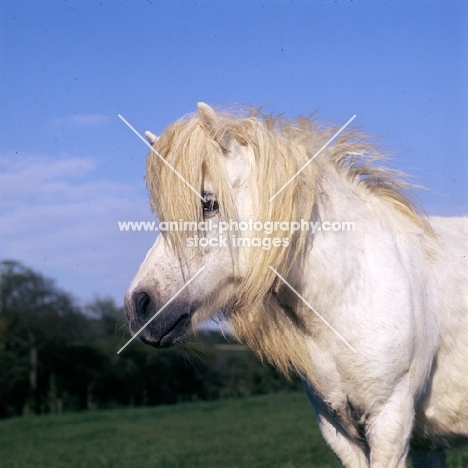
[211, 177]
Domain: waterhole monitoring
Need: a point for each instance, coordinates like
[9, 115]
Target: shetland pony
[373, 319]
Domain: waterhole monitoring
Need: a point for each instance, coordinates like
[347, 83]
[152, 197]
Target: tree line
[57, 356]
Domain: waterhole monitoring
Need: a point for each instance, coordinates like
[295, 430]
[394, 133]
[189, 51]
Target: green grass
[264, 431]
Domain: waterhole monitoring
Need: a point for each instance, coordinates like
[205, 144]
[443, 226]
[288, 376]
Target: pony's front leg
[348, 452]
[388, 430]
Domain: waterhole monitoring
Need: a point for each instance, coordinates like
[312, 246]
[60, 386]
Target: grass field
[264, 431]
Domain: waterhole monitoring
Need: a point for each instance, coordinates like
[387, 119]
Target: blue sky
[70, 169]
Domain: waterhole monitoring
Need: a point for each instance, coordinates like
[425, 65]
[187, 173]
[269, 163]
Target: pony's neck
[348, 221]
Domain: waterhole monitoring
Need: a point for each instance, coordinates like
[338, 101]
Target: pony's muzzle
[155, 324]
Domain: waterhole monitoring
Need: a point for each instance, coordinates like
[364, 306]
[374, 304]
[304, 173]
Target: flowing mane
[279, 149]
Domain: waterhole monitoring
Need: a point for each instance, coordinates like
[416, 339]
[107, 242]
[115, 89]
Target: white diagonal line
[161, 309]
[313, 310]
[162, 159]
[312, 158]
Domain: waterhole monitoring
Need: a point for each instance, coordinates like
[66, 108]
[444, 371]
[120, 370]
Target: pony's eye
[210, 204]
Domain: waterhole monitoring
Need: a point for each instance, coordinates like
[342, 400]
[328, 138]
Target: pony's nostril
[142, 302]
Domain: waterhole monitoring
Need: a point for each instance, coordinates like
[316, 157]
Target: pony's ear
[213, 126]
[151, 137]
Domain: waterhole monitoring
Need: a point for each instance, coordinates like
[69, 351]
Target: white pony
[374, 319]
